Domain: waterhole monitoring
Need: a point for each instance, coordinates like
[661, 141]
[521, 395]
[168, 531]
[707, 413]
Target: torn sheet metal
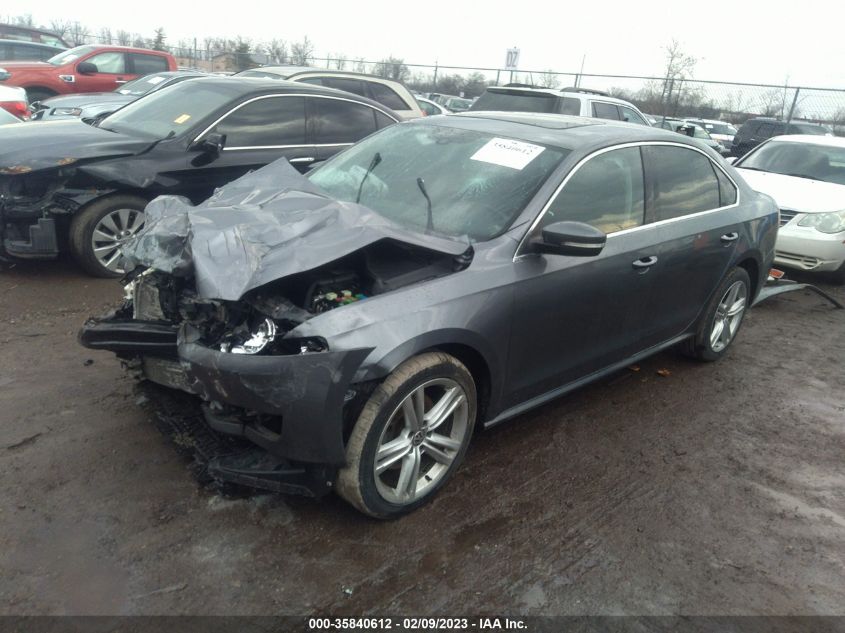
[266, 225]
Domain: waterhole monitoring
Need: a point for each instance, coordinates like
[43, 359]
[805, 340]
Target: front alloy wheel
[410, 437]
[111, 232]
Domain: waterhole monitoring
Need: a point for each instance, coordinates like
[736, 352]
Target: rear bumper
[291, 406]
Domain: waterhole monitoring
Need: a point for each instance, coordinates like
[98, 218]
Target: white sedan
[806, 177]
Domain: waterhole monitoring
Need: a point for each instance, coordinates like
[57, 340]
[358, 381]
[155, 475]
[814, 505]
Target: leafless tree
[105, 36]
[78, 34]
[360, 65]
[278, 51]
[302, 52]
[548, 79]
[392, 68]
[60, 27]
[25, 20]
[339, 61]
[123, 38]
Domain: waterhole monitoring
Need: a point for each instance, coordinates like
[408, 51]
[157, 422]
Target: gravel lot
[716, 489]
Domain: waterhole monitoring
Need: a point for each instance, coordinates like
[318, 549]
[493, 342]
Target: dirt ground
[717, 489]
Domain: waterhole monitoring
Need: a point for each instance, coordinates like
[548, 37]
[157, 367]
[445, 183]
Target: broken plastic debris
[634, 367]
[664, 372]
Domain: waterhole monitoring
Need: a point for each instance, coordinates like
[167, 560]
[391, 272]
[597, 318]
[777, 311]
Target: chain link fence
[679, 97]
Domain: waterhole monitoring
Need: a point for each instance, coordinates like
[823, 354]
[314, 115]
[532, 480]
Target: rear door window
[516, 101]
[338, 122]
[605, 111]
[683, 182]
[606, 192]
[146, 64]
[355, 86]
[269, 122]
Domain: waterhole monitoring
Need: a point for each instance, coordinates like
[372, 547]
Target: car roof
[562, 92]
[561, 130]
[29, 43]
[289, 71]
[258, 85]
[810, 139]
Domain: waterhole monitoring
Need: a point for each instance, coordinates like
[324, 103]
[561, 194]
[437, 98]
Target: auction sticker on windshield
[508, 153]
[179, 120]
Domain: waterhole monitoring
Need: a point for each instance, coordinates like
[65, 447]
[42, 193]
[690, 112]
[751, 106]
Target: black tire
[356, 482]
[701, 346]
[82, 230]
[39, 94]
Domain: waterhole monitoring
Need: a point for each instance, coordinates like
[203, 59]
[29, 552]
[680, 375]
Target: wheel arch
[752, 265]
[480, 358]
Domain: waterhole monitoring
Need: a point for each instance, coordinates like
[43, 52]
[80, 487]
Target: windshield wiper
[801, 176]
[430, 222]
[373, 164]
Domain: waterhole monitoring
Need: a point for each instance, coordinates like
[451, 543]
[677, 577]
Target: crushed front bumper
[289, 405]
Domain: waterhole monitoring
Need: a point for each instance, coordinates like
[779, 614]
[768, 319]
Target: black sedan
[84, 186]
[90, 106]
[351, 328]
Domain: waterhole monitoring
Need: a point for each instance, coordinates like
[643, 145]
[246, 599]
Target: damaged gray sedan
[352, 328]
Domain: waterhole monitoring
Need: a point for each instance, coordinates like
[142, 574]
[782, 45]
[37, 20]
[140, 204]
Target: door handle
[120, 81]
[727, 238]
[645, 262]
[304, 159]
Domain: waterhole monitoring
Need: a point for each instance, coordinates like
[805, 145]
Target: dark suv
[755, 131]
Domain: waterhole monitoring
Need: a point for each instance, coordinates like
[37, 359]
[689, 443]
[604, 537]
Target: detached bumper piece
[221, 460]
[256, 468]
[129, 336]
[776, 286]
[42, 242]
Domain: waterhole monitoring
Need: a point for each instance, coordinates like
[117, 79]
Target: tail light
[18, 108]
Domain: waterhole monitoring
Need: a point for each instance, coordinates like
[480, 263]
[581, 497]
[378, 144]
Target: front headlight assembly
[67, 111]
[825, 222]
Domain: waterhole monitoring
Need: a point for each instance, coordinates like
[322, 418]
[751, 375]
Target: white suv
[387, 92]
[577, 101]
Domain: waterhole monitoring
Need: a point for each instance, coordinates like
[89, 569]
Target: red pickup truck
[84, 69]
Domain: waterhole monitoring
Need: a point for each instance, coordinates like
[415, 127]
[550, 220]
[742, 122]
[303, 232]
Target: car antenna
[373, 164]
[430, 222]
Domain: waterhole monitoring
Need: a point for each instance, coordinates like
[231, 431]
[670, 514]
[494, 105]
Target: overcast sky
[734, 41]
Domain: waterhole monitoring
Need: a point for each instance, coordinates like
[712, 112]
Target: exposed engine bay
[257, 323]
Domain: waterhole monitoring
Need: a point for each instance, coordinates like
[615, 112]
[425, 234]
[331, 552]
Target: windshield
[477, 183]
[513, 101]
[66, 57]
[175, 110]
[819, 162]
[458, 105]
[142, 85]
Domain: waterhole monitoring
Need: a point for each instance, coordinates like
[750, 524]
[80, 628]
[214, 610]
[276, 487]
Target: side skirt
[572, 386]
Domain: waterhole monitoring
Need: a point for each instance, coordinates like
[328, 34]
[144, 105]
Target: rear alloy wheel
[98, 233]
[410, 437]
[723, 317]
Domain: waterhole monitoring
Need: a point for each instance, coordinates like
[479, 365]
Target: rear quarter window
[605, 111]
[568, 105]
[146, 64]
[387, 96]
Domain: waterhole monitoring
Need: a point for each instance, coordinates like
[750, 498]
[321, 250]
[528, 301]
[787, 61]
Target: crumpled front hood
[798, 194]
[43, 145]
[262, 227]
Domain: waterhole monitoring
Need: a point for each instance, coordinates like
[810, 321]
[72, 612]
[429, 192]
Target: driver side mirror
[86, 68]
[212, 144]
[570, 238]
